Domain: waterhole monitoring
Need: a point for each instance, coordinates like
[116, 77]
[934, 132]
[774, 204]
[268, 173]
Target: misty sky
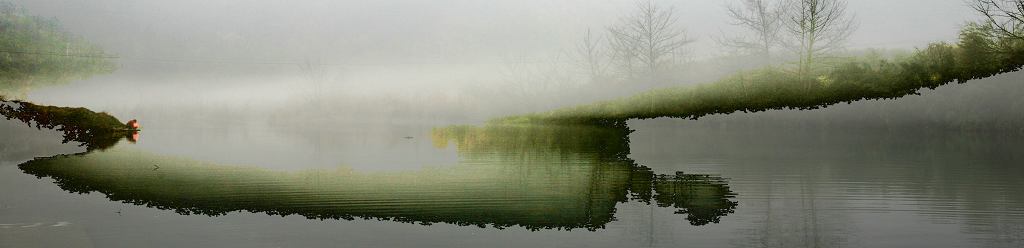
[468, 52]
[429, 31]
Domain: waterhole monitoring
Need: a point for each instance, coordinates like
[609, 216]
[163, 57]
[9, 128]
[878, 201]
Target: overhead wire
[255, 62]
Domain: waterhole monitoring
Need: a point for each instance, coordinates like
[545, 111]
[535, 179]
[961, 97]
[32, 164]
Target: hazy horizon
[382, 33]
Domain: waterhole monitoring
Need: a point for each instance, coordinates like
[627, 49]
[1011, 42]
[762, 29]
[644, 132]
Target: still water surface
[667, 183]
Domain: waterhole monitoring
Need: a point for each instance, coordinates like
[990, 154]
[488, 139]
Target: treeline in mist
[651, 44]
[983, 50]
[36, 50]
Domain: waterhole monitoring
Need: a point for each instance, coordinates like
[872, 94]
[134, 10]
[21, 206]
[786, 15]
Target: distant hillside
[37, 51]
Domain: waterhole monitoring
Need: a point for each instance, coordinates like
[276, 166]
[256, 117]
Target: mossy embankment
[978, 54]
[95, 130]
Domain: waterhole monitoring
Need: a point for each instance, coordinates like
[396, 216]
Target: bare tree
[592, 56]
[1005, 16]
[816, 27]
[650, 37]
[316, 75]
[624, 49]
[761, 18]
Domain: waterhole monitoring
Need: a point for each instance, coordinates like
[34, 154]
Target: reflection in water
[537, 177]
[703, 198]
[700, 197]
[858, 188]
[93, 130]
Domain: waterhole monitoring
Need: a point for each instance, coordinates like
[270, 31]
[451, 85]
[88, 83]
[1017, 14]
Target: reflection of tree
[93, 130]
[703, 198]
[976, 171]
[536, 177]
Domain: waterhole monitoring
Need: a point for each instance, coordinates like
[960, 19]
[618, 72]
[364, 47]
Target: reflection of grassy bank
[501, 195]
[703, 199]
[535, 177]
[36, 51]
[977, 55]
[93, 130]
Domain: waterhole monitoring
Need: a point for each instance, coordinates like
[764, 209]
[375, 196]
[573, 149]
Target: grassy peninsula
[980, 52]
[94, 130]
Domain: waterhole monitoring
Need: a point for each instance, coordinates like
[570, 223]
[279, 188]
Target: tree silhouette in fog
[1004, 16]
[815, 28]
[763, 20]
[649, 38]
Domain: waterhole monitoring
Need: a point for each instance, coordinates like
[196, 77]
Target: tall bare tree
[650, 37]
[592, 55]
[624, 49]
[1005, 16]
[816, 27]
[763, 19]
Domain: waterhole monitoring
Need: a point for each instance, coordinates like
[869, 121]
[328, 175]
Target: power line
[62, 54]
[217, 61]
[265, 62]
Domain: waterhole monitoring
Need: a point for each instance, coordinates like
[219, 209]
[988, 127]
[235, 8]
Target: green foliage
[978, 54]
[36, 51]
[704, 199]
[93, 130]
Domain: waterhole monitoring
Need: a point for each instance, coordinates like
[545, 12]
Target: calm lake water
[667, 183]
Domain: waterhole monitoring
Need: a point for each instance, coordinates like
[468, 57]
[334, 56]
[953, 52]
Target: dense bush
[93, 130]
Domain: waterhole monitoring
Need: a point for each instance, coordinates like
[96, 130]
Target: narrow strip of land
[978, 54]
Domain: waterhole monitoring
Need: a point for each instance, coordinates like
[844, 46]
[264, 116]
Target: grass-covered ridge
[979, 53]
[37, 51]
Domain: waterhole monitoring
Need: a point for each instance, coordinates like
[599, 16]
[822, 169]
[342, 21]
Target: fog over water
[470, 60]
[413, 31]
[318, 123]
